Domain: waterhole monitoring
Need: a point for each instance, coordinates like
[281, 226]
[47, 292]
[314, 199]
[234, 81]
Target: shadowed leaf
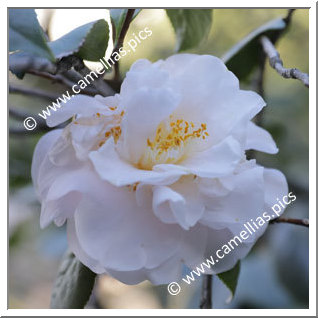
[26, 34]
[118, 17]
[230, 278]
[244, 56]
[89, 41]
[192, 26]
[73, 284]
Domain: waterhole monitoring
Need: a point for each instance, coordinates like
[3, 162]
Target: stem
[120, 41]
[62, 80]
[277, 64]
[259, 87]
[302, 222]
[99, 84]
[31, 92]
[206, 295]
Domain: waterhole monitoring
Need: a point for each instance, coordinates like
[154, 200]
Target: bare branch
[100, 85]
[21, 115]
[289, 15]
[63, 80]
[18, 114]
[206, 295]
[31, 92]
[77, 63]
[303, 222]
[21, 63]
[277, 64]
[121, 38]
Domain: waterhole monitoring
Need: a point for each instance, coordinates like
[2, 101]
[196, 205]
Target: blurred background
[275, 273]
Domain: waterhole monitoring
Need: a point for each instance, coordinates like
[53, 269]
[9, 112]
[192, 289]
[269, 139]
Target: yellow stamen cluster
[172, 142]
[114, 131]
[179, 133]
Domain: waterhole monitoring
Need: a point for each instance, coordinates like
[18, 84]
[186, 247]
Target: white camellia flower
[156, 177]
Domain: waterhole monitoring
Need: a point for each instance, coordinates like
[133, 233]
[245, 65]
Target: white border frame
[312, 166]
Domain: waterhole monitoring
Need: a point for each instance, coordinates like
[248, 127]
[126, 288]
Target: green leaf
[230, 277]
[73, 285]
[118, 17]
[89, 42]
[20, 63]
[244, 56]
[26, 34]
[192, 26]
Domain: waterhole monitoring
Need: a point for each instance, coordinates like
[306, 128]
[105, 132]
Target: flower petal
[243, 203]
[276, 187]
[40, 152]
[145, 109]
[118, 172]
[78, 104]
[218, 161]
[181, 203]
[76, 248]
[141, 239]
[260, 139]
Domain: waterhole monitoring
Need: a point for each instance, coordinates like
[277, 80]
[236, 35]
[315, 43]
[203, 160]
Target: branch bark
[31, 92]
[99, 84]
[206, 295]
[277, 64]
[63, 80]
[303, 222]
[121, 39]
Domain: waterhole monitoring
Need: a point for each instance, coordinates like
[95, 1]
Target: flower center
[171, 142]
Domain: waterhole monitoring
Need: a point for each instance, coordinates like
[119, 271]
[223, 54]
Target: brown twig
[303, 222]
[277, 64]
[121, 39]
[21, 115]
[31, 92]
[206, 295]
[99, 84]
[62, 80]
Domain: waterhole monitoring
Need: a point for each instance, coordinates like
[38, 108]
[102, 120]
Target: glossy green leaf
[73, 285]
[230, 278]
[242, 58]
[192, 26]
[118, 17]
[26, 34]
[89, 41]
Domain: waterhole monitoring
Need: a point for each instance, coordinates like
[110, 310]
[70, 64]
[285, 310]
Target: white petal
[181, 203]
[118, 172]
[143, 74]
[78, 104]
[243, 203]
[215, 241]
[260, 139]
[59, 209]
[66, 191]
[162, 196]
[75, 247]
[121, 235]
[82, 180]
[40, 152]
[190, 253]
[145, 109]
[276, 187]
[218, 161]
